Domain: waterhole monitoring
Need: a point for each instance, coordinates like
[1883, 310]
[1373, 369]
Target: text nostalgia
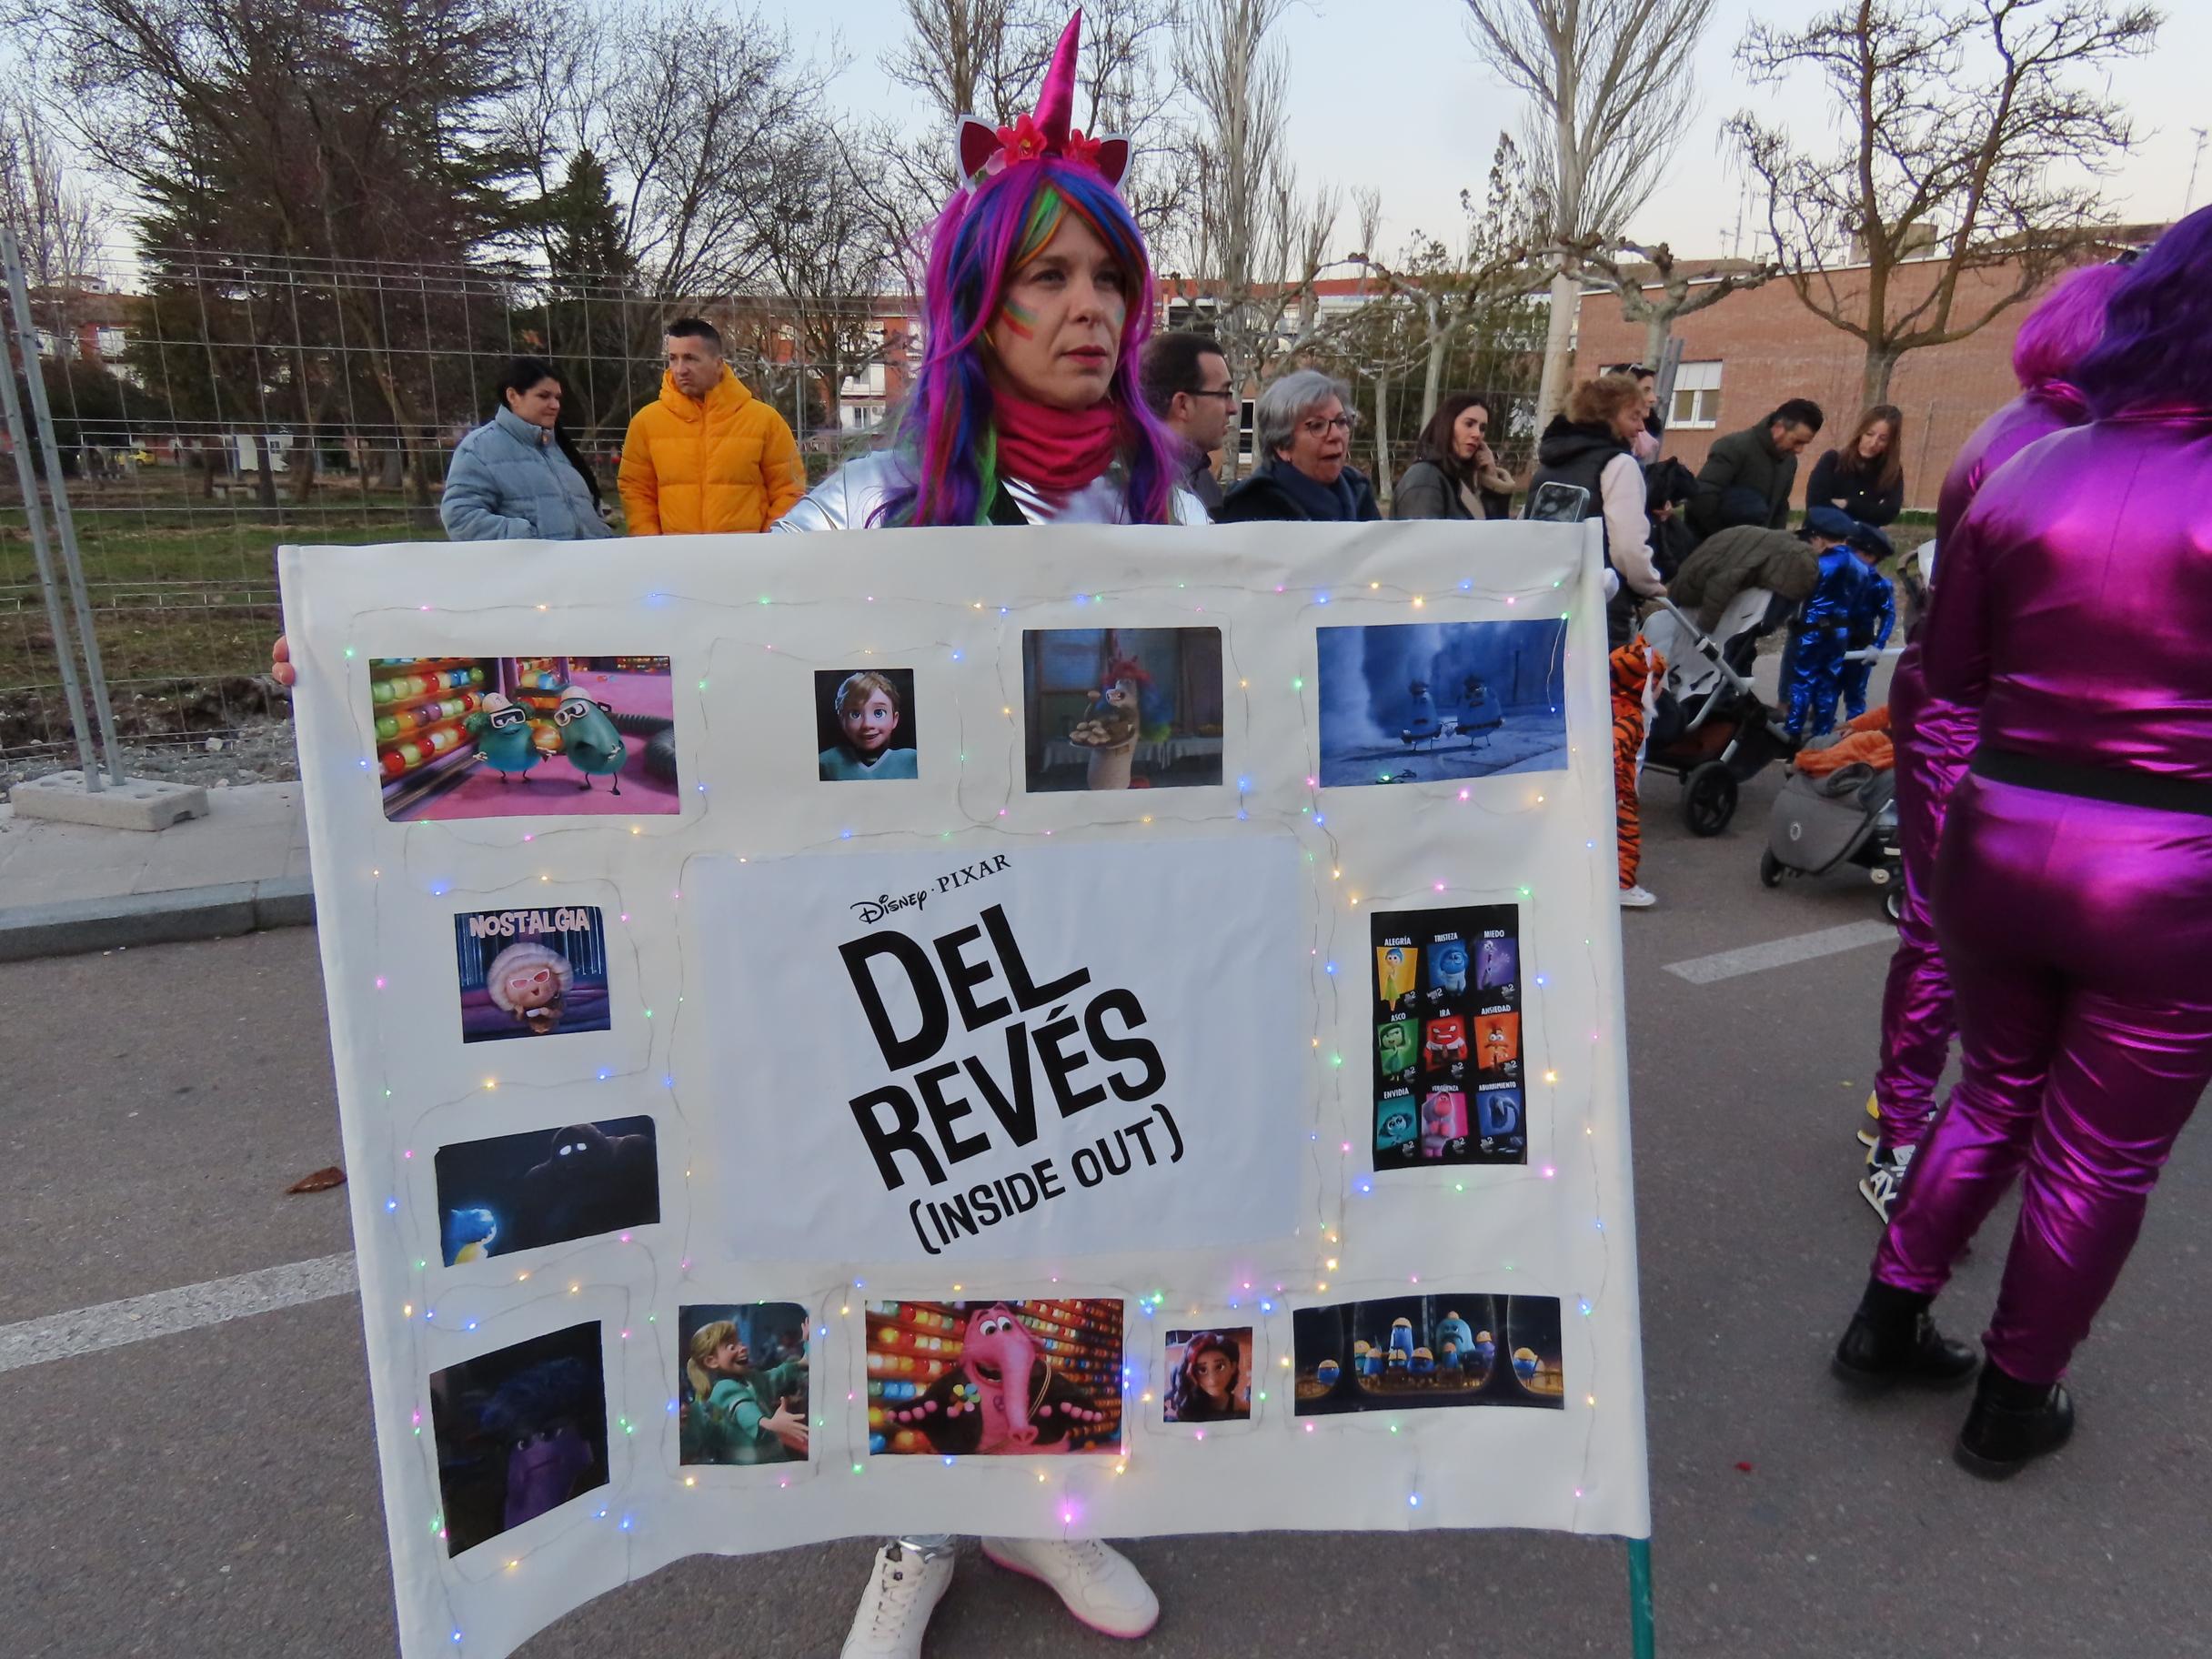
[1064, 1048]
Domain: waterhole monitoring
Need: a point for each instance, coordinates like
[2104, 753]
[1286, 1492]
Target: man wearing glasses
[1186, 382]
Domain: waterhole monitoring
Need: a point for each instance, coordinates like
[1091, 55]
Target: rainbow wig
[2059, 333]
[2157, 351]
[981, 240]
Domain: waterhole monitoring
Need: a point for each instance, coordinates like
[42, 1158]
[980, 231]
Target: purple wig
[980, 241]
[2059, 332]
[2157, 351]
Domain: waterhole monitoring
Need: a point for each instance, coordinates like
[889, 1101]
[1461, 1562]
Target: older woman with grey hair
[1304, 423]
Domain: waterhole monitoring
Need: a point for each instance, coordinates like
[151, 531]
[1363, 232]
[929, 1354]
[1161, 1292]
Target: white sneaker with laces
[1637, 898]
[1886, 1179]
[903, 1591]
[1101, 1586]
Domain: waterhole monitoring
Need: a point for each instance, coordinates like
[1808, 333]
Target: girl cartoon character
[1394, 968]
[1206, 1386]
[868, 712]
[737, 1415]
[530, 981]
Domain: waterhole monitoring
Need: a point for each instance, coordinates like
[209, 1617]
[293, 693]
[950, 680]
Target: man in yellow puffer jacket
[705, 455]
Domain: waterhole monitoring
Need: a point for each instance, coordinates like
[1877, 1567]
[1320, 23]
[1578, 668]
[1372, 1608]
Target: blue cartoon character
[1326, 1374]
[1485, 1350]
[1448, 966]
[1394, 1126]
[1455, 1340]
[1497, 965]
[1524, 1364]
[502, 729]
[1401, 1352]
[1395, 1047]
[1422, 724]
[1369, 1360]
[1498, 1113]
[470, 1235]
[1424, 1362]
[588, 737]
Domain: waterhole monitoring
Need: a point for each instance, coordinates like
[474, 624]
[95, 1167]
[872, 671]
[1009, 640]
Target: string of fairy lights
[460, 1303]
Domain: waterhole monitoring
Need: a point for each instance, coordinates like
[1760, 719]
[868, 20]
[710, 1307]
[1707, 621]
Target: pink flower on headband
[1023, 141]
[1082, 149]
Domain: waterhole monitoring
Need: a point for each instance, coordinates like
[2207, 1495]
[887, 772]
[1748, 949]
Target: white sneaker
[1637, 898]
[903, 1591]
[1102, 1586]
[1884, 1181]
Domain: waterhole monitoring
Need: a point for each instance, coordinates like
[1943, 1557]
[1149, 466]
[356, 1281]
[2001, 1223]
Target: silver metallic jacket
[848, 499]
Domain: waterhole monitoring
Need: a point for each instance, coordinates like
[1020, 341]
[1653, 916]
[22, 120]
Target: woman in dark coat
[1865, 477]
[1456, 476]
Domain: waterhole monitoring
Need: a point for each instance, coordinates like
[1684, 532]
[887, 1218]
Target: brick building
[1754, 349]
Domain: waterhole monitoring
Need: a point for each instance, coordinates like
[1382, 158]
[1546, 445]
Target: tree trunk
[1440, 342]
[1383, 484]
[265, 476]
[1552, 390]
[1881, 364]
[1657, 327]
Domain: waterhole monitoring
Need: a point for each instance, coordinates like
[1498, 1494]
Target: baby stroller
[1711, 731]
[1847, 816]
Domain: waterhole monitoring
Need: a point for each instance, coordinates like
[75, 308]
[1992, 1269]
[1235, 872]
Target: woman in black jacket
[1456, 476]
[1865, 477]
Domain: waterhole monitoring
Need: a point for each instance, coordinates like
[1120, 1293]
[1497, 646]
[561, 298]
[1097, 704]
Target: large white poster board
[1063, 1032]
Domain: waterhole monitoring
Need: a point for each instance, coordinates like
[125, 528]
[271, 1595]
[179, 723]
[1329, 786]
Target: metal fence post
[34, 520]
[57, 497]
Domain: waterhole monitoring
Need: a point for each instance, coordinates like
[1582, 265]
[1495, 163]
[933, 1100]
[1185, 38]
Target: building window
[1246, 428]
[1697, 396]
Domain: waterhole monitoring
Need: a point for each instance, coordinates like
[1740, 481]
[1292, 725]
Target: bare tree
[1683, 290]
[55, 221]
[1262, 240]
[1608, 88]
[1960, 123]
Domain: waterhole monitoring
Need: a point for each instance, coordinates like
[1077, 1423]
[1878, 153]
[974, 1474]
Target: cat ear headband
[986, 150]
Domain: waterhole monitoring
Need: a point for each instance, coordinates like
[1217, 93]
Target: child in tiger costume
[1637, 670]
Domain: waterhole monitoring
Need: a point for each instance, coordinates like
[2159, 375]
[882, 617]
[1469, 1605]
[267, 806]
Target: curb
[155, 918]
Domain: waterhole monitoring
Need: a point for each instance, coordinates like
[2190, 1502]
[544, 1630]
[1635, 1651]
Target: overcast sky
[1390, 93]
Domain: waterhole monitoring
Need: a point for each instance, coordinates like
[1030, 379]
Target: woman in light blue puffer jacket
[517, 478]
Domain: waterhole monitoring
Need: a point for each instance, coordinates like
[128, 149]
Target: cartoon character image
[530, 982]
[1497, 1039]
[588, 737]
[1109, 729]
[1498, 1113]
[470, 1235]
[1524, 1364]
[1002, 1395]
[1394, 1047]
[737, 1415]
[1443, 1120]
[1447, 1041]
[589, 1181]
[1399, 1354]
[539, 1412]
[1424, 1362]
[1394, 970]
[869, 715]
[1448, 966]
[1485, 1350]
[1420, 722]
[1455, 1340]
[1326, 1374]
[1395, 1130]
[1497, 963]
[1204, 1386]
[1370, 1359]
[503, 729]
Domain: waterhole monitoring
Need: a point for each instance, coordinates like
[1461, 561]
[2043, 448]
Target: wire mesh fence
[211, 406]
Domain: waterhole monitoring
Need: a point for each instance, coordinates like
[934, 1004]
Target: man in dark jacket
[1185, 381]
[1761, 459]
[1743, 555]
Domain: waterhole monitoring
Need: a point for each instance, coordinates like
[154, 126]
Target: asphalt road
[213, 1493]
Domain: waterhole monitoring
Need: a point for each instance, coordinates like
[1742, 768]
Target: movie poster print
[1401, 1352]
[531, 972]
[1447, 1036]
[524, 736]
[520, 1431]
[994, 1378]
[1122, 707]
[1209, 1376]
[1415, 702]
[512, 1192]
[864, 726]
[744, 1383]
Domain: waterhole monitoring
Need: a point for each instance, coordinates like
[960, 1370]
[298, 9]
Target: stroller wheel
[1770, 869]
[1893, 900]
[1709, 799]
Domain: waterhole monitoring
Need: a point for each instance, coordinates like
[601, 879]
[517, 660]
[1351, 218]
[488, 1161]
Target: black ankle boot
[2012, 1425]
[1892, 1339]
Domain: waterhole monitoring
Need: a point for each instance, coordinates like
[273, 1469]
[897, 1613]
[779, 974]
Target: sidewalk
[67, 887]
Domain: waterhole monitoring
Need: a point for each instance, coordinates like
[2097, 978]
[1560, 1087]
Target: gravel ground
[260, 752]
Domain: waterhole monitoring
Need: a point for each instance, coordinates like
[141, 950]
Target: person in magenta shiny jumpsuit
[1934, 736]
[2073, 891]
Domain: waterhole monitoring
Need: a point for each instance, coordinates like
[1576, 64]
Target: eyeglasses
[1316, 428]
[1227, 394]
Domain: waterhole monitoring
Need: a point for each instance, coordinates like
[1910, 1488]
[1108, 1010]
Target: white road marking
[1778, 953]
[136, 1319]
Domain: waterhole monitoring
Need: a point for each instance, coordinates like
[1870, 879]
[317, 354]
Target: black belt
[2121, 786]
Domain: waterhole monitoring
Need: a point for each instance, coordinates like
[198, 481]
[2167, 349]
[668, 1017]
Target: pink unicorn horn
[1056, 102]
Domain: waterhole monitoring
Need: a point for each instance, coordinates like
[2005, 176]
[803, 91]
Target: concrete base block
[135, 803]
